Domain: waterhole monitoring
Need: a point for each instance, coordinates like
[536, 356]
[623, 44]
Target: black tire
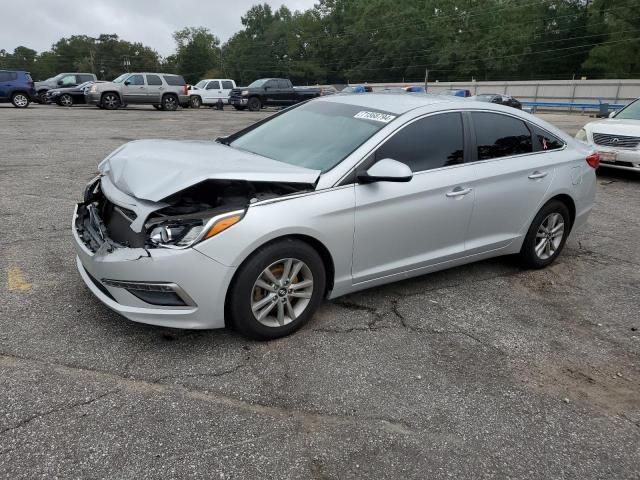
[254, 104]
[42, 96]
[20, 100]
[239, 107]
[65, 100]
[110, 101]
[528, 255]
[241, 292]
[170, 102]
[196, 102]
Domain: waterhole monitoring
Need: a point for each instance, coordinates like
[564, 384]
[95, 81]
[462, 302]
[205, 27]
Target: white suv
[210, 91]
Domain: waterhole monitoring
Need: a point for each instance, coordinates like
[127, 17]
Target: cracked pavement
[482, 371]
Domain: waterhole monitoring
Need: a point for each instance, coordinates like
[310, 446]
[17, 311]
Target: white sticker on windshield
[375, 116]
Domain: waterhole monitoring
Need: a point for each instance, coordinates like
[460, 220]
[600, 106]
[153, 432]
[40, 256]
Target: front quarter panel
[326, 215]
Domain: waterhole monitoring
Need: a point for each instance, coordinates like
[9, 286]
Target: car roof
[397, 103]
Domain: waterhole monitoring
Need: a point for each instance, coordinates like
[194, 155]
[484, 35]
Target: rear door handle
[537, 174]
[459, 192]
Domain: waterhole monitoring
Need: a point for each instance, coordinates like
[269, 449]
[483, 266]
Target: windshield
[120, 78]
[315, 135]
[258, 83]
[201, 84]
[630, 112]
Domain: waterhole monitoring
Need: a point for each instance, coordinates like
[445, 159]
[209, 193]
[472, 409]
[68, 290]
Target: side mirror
[386, 170]
[60, 83]
[612, 114]
[127, 82]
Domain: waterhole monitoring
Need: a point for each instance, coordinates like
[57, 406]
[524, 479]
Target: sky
[150, 22]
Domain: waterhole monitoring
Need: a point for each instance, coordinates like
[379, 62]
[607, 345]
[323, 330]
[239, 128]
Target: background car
[67, 97]
[210, 91]
[616, 138]
[499, 99]
[457, 92]
[162, 90]
[357, 89]
[62, 80]
[16, 86]
[264, 92]
[414, 89]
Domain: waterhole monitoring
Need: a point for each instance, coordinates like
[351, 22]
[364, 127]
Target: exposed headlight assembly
[581, 135]
[244, 93]
[187, 233]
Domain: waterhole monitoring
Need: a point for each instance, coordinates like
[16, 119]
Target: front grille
[622, 141]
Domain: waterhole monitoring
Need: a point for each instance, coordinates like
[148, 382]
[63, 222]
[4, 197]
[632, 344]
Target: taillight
[186, 90]
[594, 160]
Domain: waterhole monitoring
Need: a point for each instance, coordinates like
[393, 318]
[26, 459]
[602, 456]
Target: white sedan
[616, 138]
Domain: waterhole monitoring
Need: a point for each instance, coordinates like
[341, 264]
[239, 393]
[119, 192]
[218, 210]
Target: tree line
[349, 41]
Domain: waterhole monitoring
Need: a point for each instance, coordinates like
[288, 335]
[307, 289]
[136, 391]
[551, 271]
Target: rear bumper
[197, 279]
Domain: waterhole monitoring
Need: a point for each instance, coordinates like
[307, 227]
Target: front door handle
[537, 175]
[459, 192]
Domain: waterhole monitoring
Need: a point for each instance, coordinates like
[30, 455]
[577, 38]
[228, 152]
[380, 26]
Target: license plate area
[608, 156]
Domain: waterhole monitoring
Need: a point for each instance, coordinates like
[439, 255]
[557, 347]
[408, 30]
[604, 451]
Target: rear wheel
[110, 101]
[277, 290]
[20, 100]
[255, 104]
[546, 236]
[170, 102]
[65, 100]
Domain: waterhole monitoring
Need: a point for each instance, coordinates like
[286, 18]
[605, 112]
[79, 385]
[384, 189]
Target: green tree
[198, 51]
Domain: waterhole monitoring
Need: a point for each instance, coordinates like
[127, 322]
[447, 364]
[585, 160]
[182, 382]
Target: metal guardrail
[572, 105]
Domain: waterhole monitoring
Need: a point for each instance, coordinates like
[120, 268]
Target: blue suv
[16, 87]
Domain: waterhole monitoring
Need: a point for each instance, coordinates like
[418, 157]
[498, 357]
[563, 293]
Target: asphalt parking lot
[483, 371]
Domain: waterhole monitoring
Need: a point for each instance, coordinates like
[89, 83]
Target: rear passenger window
[84, 78]
[500, 136]
[8, 76]
[214, 85]
[174, 80]
[546, 141]
[283, 84]
[428, 143]
[153, 80]
[227, 85]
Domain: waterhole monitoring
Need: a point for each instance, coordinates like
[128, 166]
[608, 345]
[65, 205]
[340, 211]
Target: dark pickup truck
[270, 92]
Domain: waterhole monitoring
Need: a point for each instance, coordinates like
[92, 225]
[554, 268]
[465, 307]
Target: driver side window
[432, 142]
[136, 80]
[68, 80]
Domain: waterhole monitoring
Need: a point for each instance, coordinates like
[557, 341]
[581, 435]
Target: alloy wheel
[110, 101]
[549, 236]
[282, 292]
[66, 100]
[20, 100]
[170, 103]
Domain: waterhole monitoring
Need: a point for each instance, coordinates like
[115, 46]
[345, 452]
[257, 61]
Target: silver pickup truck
[162, 90]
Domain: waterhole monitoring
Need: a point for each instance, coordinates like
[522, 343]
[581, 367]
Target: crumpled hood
[155, 169]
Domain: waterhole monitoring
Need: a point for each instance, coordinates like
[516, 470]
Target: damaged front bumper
[165, 287]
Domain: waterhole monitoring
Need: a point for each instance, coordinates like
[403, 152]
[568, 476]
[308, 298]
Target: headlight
[245, 93]
[90, 189]
[185, 233]
[93, 89]
[581, 135]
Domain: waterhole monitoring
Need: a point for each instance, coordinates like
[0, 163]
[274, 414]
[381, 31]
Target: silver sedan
[335, 195]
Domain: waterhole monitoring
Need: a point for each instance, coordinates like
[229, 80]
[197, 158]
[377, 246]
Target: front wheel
[20, 100]
[255, 104]
[196, 101]
[546, 236]
[110, 101]
[277, 290]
